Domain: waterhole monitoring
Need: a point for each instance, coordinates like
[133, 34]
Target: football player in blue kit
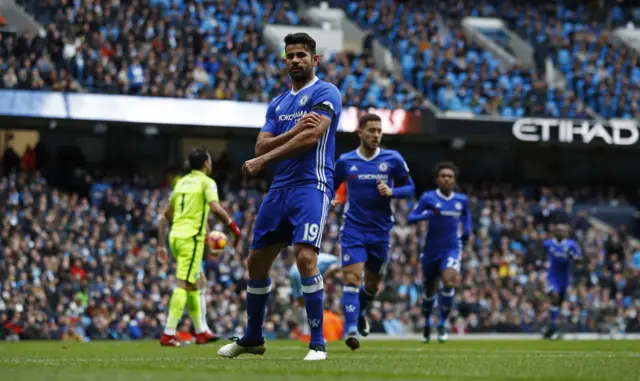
[560, 252]
[299, 134]
[445, 210]
[373, 177]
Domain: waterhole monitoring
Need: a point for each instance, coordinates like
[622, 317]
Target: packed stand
[599, 74]
[204, 49]
[191, 49]
[84, 267]
[364, 86]
[439, 60]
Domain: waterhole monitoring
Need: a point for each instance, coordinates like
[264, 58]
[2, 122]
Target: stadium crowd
[84, 266]
[176, 49]
[457, 75]
[191, 49]
[216, 50]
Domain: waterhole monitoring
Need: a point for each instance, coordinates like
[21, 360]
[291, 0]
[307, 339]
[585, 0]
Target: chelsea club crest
[303, 101]
[383, 167]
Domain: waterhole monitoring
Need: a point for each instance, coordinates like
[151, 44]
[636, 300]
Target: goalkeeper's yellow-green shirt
[190, 199]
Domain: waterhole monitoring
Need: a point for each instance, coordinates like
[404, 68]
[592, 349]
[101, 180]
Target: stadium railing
[173, 111]
[250, 115]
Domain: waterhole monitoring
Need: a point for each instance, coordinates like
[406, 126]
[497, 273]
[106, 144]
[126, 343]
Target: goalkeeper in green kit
[194, 196]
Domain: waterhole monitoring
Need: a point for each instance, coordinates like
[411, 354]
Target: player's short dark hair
[366, 118]
[198, 157]
[301, 39]
[445, 165]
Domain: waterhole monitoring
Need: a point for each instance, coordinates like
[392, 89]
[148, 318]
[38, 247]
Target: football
[217, 240]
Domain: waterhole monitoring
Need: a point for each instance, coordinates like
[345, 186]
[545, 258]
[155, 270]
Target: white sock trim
[351, 289]
[261, 290]
[313, 288]
[452, 292]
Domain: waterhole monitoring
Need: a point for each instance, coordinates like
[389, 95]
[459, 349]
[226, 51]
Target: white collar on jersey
[375, 154]
[555, 240]
[445, 197]
[309, 84]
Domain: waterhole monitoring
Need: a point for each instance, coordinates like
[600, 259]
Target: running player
[188, 210]
[327, 266]
[440, 258]
[560, 251]
[299, 134]
[373, 176]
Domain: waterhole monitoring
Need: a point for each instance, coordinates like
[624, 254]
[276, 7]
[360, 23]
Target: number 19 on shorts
[311, 232]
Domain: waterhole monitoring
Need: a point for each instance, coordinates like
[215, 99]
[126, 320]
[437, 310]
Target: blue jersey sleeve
[327, 101]
[421, 211]
[339, 174]
[270, 124]
[466, 222]
[575, 251]
[404, 186]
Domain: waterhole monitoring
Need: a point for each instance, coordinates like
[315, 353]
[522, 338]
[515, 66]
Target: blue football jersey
[444, 215]
[314, 167]
[365, 209]
[559, 255]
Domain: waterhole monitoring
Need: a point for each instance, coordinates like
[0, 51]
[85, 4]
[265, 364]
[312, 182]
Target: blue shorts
[555, 285]
[358, 249]
[290, 216]
[432, 267]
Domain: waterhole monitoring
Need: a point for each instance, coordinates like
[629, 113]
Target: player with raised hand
[445, 210]
[194, 196]
[299, 134]
[373, 177]
[560, 251]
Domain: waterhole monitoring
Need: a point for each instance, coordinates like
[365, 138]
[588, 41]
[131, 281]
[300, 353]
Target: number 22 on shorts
[453, 263]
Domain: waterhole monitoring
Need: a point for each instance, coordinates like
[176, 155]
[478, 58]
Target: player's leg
[352, 274]
[308, 210]
[270, 235]
[185, 251]
[258, 288]
[377, 258]
[430, 276]
[206, 336]
[353, 255]
[298, 299]
[202, 287]
[193, 291]
[450, 280]
[556, 297]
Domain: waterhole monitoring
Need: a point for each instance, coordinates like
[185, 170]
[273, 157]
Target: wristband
[234, 228]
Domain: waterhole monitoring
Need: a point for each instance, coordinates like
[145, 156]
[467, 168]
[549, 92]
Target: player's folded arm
[325, 111]
[267, 138]
[315, 133]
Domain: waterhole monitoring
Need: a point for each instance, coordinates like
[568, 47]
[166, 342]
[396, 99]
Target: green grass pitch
[376, 360]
